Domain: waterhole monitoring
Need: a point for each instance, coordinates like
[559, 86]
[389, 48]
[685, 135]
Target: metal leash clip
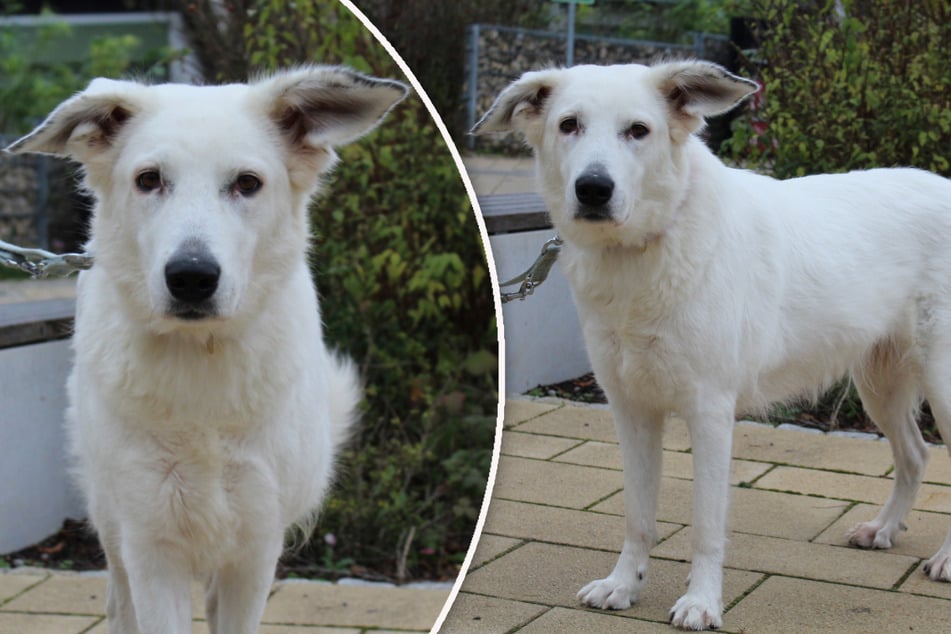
[40, 263]
[536, 273]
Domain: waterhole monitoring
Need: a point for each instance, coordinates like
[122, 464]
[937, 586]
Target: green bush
[405, 291]
[865, 86]
[31, 88]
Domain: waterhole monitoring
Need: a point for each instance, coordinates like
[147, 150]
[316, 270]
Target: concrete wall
[542, 336]
[35, 491]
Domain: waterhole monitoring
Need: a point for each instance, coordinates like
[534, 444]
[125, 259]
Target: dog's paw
[874, 534]
[608, 594]
[696, 613]
[938, 568]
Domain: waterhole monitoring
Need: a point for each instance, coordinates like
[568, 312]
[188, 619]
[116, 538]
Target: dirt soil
[829, 414]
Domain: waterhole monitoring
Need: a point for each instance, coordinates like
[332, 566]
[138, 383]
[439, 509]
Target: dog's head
[202, 191]
[609, 140]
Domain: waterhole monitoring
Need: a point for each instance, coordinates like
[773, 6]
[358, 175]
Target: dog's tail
[345, 394]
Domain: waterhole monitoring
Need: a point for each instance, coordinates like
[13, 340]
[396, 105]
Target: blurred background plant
[849, 84]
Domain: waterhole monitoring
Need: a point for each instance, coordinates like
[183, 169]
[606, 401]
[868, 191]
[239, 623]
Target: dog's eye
[148, 181]
[568, 125]
[637, 131]
[247, 184]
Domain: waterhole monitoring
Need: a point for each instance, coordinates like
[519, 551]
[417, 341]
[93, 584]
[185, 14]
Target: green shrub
[869, 86]
[405, 291]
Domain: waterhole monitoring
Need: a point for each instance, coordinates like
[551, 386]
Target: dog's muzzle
[191, 276]
[593, 189]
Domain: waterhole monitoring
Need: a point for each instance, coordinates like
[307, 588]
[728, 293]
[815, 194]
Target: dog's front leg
[711, 435]
[640, 434]
[237, 593]
[159, 578]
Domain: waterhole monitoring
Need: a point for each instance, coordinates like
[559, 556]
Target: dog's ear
[85, 125]
[520, 106]
[324, 107]
[694, 90]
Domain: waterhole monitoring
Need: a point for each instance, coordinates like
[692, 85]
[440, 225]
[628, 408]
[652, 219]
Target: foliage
[673, 21]
[405, 291]
[849, 85]
[30, 88]
[431, 38]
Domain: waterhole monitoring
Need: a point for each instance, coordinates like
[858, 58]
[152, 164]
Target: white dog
[704, 290]
[206, 410]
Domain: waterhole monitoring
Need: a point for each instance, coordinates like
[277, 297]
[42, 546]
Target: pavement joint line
[602, 499]
[42, 580]
[748, 591]
[516, 628]
[562, 462]
[96, 624]
[907, 574]
[572, 448]
[848, 508]
[510, 549]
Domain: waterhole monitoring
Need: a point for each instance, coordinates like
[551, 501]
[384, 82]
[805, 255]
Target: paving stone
[561, 526]
[590, 622]
[766, 444]
[13, 584]
[298, 629]
[43, 624]
[550, 483]
[677, 464]
[751, 510]
[939, 466]
[477, 614]
[574, 422]
[801, 559]
[71, 595]
[355, 606]
[796, 605]
[491, 546]
[844, 486]
[520, 410]
[516, 443]
[925, 534]
[552, 575]
[919, 583]
[201, 627]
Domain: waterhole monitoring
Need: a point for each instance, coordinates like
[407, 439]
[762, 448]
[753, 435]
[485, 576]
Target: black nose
[594, 189]
[192, 277]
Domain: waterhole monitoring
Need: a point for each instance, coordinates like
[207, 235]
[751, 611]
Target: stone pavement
[39, 602]
[555, 522]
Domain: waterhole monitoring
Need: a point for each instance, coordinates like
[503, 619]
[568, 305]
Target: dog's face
[608, 141]
[202, 191]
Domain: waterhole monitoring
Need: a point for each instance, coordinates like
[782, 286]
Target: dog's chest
[197, 489]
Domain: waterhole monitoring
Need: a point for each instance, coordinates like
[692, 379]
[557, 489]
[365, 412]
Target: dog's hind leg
[888, 384]
[938, 393]
[640, 434]
[711, 436]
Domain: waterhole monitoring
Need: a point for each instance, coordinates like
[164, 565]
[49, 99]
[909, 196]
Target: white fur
[198, 442]
[710, 290]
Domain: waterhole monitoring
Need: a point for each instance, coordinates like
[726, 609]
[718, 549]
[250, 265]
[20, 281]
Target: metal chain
[40, 263]
[536, 273]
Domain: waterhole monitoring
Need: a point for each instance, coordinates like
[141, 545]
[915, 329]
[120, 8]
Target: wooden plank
[511, 213]
[31, 322]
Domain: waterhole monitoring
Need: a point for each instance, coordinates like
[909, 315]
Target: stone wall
[22, 193]
[501, 54]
